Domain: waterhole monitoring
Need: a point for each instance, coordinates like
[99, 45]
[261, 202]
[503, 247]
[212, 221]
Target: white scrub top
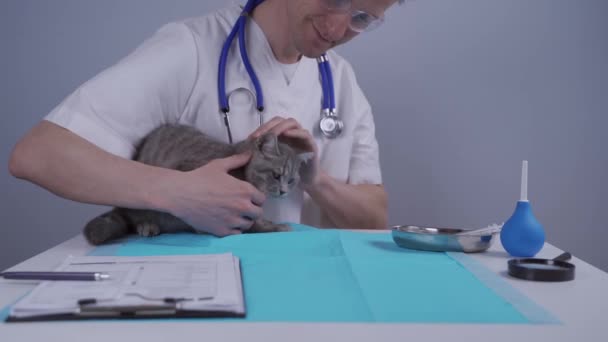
[172, 78]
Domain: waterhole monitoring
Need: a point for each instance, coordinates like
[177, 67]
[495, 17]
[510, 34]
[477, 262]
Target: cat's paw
[148, 229]
[269, 227]
[282, 228]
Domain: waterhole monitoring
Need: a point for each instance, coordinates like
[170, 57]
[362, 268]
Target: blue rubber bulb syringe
[522, 235]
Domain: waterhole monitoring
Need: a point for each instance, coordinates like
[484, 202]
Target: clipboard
[139, 287]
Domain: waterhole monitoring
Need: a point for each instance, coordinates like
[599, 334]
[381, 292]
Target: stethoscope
[330, 124]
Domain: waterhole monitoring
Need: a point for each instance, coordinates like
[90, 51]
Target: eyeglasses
[360, 21]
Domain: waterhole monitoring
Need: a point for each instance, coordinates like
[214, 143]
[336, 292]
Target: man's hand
[211, 200]
[291, 132]
[346, 205]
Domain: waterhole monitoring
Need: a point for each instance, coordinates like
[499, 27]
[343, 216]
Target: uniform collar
[262, 58]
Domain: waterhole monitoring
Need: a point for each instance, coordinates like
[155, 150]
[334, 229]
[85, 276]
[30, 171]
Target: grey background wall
[462, 91]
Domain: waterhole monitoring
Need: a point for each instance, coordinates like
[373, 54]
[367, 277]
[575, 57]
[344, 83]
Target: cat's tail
[106, 227]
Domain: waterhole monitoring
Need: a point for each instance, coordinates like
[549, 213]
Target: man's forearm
[351, 206]
[207, 198]
[73, 168]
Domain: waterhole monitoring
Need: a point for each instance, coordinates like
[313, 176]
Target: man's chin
[313, 51]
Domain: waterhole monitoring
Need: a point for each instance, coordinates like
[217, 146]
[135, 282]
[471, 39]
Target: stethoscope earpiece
[330, 124]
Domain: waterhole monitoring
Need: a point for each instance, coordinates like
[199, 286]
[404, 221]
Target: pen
[91, 276]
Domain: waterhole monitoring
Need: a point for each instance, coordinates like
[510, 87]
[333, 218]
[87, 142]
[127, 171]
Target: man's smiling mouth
[321, 36]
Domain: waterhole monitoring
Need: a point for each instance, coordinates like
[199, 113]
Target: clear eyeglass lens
[364, 22]
[360, 21]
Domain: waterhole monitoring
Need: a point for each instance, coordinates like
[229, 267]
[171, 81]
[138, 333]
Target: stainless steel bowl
[442, 239]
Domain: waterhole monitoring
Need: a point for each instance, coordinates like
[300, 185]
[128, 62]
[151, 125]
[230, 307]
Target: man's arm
[71, 167]
[361, 206]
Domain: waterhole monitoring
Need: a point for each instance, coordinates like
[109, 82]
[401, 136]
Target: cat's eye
[291, 181]
[276, 175]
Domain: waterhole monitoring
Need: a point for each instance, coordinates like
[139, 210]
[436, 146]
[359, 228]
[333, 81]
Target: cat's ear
[268, 144]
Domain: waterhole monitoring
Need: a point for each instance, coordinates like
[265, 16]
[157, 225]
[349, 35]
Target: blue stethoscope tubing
[238, 28]
[330, 125]
[328, 83]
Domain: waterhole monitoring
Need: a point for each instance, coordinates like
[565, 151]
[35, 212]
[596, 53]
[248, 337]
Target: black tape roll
[543, 269]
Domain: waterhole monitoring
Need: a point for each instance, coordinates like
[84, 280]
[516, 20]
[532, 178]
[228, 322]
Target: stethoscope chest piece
[331, 126]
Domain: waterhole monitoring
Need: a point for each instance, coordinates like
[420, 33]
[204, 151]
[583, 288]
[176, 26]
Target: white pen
[79, 276]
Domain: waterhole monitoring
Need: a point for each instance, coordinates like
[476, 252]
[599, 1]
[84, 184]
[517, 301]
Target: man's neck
[271, 16]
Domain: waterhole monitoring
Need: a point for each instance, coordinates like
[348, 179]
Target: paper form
[192, 280]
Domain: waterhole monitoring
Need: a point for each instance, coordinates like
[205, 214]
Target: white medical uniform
[172, 78]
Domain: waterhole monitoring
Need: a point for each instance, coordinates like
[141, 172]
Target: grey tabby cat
[273, 169]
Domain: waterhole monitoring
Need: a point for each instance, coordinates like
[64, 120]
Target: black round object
[543, 269]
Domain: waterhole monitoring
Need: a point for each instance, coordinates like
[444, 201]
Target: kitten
[273, 169]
